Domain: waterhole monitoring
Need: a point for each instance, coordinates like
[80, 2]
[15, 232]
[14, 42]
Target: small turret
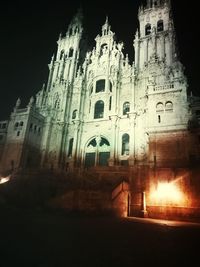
[106, 27]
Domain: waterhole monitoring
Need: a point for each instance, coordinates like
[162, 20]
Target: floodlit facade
[102, 110]
[98, 110]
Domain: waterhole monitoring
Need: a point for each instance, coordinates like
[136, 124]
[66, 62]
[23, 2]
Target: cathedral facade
[98, 110]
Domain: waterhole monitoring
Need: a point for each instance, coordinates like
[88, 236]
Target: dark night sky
[29, 32]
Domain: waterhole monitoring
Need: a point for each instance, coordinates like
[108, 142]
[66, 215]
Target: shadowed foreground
[56, 239]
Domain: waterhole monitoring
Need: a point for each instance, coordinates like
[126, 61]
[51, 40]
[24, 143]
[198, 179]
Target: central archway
[97, 152]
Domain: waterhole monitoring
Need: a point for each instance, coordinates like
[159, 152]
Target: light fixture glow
[166, 194]
[4, 180]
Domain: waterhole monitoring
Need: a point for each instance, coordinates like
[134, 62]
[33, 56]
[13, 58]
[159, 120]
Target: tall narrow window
[99, 109]
[126, 108]
[57, 103]
[125, 144]
[61, 54]
[110, 103]
[74, 114]
[71, 51]
[90, 106]
[70, 147]
[160, 26]
[148, 29]
[110, 86]
[104, 49]
[16, 124]
[100, 86]
[159, 119]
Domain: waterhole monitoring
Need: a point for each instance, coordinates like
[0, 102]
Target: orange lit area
[4, 180]
[167, 193]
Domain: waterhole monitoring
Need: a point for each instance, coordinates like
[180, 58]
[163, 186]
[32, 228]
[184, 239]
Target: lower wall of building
[174, 213]
[170, 193]
[86, 201]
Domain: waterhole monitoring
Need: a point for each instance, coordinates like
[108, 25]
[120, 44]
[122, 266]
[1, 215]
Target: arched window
[100, 86]
[148, 29]
[99, 109]
[125, 144]
[168, 106]
[61, 54]
[74, 113]
[70, 147]
[160, 26]
[159, 107]
[126, 108]
[97, 152]
[16, 124]
[71, 51]
[21, 123]
[104, 49]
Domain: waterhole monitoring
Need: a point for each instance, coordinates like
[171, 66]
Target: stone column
[75, 142]
[143, 206]
[146, 51]
[154, 40]
[136, 46]
[163, 48]
[112, 159]
[45, 140]
[132, 121]
[170, 49]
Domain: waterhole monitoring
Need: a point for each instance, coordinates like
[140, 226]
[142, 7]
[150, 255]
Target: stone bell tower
[58, 95]
[156, 36]
[64, 66]
[160, 85]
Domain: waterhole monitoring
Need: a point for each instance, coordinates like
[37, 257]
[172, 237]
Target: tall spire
[76, 23]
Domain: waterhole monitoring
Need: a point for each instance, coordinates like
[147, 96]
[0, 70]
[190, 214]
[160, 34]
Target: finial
[148, 3]
[18, 103]
[31, 101]
[106, 22]
[43, 86]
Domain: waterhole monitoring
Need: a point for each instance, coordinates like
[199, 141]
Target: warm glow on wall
[4, 180]
[166, 194]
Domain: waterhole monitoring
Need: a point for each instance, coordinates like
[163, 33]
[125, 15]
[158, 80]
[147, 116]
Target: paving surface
[41, 239]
